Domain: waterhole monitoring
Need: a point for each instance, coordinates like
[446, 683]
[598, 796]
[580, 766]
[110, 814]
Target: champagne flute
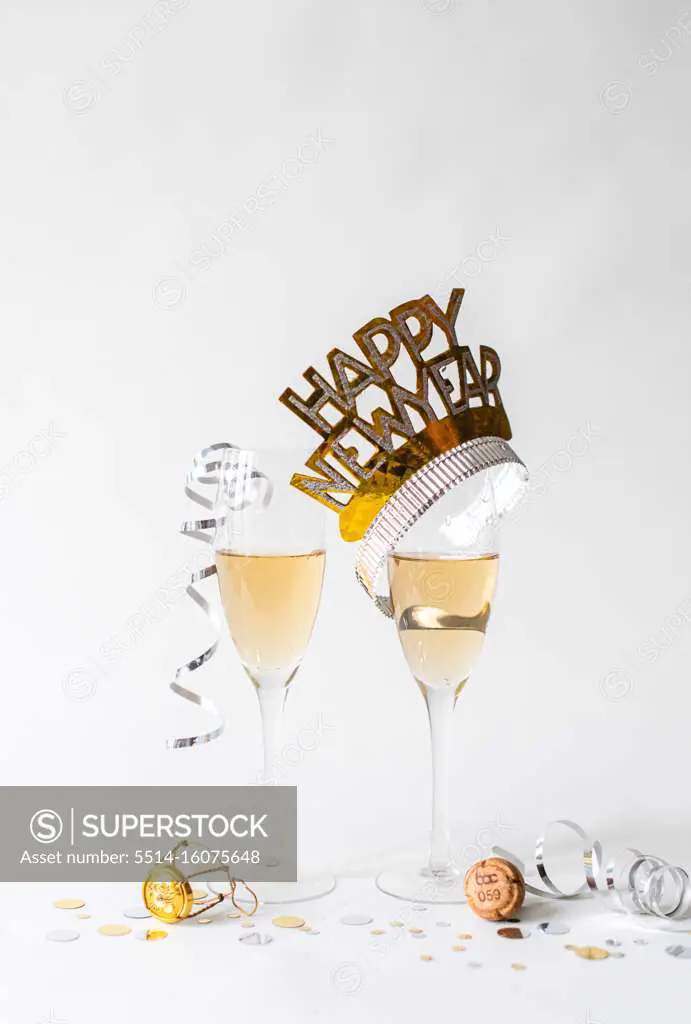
[442, 578]
[270, 556]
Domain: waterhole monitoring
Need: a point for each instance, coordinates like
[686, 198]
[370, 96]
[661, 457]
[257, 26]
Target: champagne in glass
[270, 563]
[442, 583]
[442, 643]
[270, 603]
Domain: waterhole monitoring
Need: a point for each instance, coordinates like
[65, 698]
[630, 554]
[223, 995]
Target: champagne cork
[494, 889]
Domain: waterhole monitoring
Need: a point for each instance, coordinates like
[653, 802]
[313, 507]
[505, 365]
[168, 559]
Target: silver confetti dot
[474, 963]
[255, 939]
[617, 956]
[679, 952]
[612, 942]
[553, 928]
[641, 942]
[418, 935]
[357, 919]
[62, 935]
[138, 913]
[443, 924]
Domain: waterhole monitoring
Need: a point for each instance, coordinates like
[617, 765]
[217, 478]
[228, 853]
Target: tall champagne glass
[270, 555]
[442, 579]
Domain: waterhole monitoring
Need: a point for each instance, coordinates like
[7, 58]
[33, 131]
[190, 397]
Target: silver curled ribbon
[206, 470]
[641, 883]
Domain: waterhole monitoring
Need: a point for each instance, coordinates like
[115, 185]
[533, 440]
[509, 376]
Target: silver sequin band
[418, 494]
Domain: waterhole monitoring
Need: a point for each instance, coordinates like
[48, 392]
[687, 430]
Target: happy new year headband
[387, 471]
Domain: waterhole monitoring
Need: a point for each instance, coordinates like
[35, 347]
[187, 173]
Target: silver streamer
[641, 883]
[243, 488]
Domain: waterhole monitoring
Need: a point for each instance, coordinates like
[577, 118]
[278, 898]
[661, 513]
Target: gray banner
[94, 833]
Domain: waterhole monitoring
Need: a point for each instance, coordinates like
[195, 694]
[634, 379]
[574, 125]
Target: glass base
[421, 885]
[311, 888]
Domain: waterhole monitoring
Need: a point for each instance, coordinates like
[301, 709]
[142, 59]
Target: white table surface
[203, 974]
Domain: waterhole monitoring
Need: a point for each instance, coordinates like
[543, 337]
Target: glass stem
[440, 703]
[272, 696]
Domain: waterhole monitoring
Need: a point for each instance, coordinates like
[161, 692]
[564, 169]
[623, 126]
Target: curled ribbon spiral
[207, 471]
[641, 883]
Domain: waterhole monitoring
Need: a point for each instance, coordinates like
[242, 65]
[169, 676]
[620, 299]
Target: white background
[557, 126]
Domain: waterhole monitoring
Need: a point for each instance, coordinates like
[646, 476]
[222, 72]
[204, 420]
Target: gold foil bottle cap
[168, 894]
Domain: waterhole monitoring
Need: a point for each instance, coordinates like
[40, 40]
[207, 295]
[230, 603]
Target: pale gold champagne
[441, 608]
[270, 603]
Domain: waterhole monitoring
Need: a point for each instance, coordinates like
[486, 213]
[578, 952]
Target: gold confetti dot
[396, 924]
[154, 935]
[415, 931]
[114, 929]
[426, 957]
[204, 920]
[288, 921]
[512, 933]
[458, 949]
[377, 931]
[247, 924]
[83, 917]
[199, 894]
[464, 935]
[69, 904]
[234, 915]
[570, 946]
[591, 953]
[518, 967]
